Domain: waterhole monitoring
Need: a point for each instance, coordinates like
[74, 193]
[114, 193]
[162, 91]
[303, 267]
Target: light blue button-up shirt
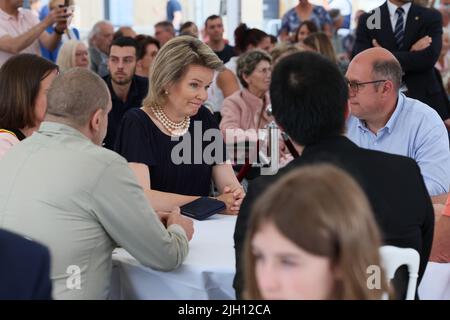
[414, 130]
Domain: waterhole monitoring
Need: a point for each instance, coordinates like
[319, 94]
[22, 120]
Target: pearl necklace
[177, 129]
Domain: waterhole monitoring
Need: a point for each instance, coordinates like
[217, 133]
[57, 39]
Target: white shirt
[215, 95]
[394, 17]
[232, 65]
[344, 6]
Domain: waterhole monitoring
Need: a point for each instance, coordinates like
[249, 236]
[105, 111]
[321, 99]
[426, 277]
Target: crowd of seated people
[102, 142]
[88, 201]
[310, 102]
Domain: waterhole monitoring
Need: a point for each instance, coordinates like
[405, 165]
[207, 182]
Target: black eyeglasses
[354, 86]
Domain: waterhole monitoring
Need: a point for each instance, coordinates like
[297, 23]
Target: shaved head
[379, 63]
[373, 54]
[375, 78]
[75, 95]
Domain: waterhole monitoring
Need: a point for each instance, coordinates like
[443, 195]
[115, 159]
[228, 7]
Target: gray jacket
[82, 201]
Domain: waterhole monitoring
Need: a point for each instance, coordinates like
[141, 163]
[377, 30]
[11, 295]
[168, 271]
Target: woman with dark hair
[25, 80]
[247, 39]
[313, 236]
[304, 30]
[147, 50]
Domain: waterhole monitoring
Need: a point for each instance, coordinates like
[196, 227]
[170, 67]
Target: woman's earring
[166, 93]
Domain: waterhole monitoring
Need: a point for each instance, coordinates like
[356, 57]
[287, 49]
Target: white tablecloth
[435, 283]
[206, 274]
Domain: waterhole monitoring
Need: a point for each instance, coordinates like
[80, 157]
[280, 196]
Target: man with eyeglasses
[309, 99]
[384, 119]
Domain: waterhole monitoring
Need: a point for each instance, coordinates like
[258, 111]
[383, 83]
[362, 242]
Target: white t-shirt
[215, 95]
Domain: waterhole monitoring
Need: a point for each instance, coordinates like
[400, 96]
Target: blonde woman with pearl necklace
[170, 117]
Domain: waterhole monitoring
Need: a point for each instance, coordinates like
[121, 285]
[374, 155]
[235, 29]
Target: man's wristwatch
[57, 31]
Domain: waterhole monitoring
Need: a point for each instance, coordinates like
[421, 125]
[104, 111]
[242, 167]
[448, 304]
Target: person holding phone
[174, 13]
[70, 33]
[21, 31]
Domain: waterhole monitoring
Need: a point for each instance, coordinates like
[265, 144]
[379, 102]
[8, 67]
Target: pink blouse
[7, 141]
[245, 111]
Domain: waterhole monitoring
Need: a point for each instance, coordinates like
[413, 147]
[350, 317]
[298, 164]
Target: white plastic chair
[393, 258]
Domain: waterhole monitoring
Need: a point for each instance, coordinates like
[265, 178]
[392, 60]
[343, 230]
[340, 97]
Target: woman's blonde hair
[322, 210]
[66, 55]
[172, 62]
[320, 42]
[282, 50]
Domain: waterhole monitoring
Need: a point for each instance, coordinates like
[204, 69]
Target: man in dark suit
[414, 35]
[24, 269]
[310, 101]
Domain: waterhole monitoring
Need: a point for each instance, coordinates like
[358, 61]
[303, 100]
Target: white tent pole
[234, 18]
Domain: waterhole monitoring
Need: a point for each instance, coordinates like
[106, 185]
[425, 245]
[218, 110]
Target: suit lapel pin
[417, 18]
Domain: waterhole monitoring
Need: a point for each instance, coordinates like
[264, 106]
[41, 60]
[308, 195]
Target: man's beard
[121, 82]
[124, 81]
